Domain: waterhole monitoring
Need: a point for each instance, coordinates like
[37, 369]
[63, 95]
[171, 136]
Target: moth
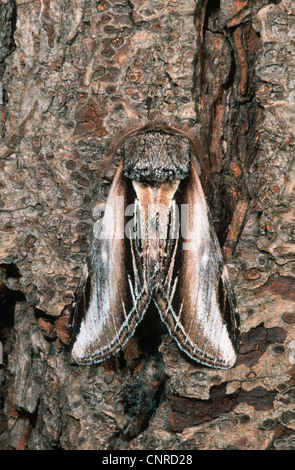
[157, 244]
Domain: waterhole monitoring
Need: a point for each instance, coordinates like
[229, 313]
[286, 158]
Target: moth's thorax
[156, 158]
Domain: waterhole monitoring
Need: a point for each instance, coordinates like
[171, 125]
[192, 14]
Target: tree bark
[72, 75]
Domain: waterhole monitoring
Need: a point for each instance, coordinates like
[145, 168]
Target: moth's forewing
[113, 299]
[198, 306]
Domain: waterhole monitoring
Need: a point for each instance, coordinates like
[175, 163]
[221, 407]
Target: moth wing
[112, 299]
[196, 301]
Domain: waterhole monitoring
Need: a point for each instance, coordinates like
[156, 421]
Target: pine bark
[72, 75]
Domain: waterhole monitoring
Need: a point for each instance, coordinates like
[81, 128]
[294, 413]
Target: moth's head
[156, 157]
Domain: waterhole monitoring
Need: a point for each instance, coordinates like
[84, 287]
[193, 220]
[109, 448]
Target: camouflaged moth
[174, 262]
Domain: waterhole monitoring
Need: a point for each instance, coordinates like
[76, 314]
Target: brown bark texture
[72, 75]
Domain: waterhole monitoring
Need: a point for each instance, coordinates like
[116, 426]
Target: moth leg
[235, 229]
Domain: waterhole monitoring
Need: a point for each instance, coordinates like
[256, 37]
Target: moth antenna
[116, 144]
